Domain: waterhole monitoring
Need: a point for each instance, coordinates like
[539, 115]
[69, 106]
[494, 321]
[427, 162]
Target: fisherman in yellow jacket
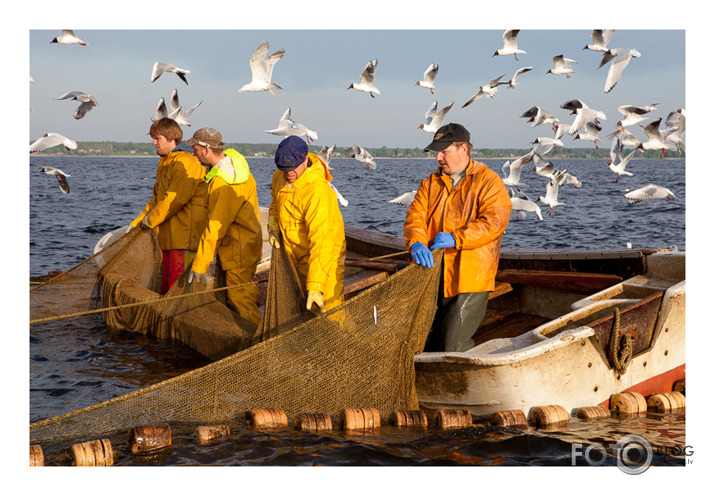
[464, 208]
[234, 228]
[305, 220]
[177, 206]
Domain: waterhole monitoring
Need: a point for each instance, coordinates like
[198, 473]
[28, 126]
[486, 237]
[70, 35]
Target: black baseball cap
[446, 135]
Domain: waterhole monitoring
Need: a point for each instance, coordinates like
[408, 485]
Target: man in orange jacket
[177, 208]
[463, 208]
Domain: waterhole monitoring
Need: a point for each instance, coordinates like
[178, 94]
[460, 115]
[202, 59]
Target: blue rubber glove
[422, 255]
[443, 240]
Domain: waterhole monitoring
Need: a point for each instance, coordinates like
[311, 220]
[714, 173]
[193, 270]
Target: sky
[327, 45]
[320, 64]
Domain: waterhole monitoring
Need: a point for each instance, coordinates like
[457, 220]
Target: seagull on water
[600, 38]
[488, 89]
[61, 177]
[288, 127]
[619, 58]
[69, 38]
[647, 192]
[49, 140]
[510, 47]
[583, 113]
[656, 139]
[86, 100]
[519, 72]
[367, 79]
[512, 170]
[405, 199]
[521, 204]
[634, 114]
[590, 134]
[561, 66]
[326, 154]
[433, 118]
[361, 155]
[162, 67]
[429, 77]
[262, 70]
[551, 198]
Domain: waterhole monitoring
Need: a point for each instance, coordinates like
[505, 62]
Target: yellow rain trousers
[312, 229]
[177, 207]
[476, 212]
[234, 231]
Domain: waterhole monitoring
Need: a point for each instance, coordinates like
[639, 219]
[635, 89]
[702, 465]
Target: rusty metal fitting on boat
[628, 403]
[453, 419]
[409, 418]
[509, 418]
[210, 434]
[666, 402]
[597, 412]
[37, 458]
[266, 418]
[679, 386]
[312, 422]
[549, 415]
[359, 418]
[148, 438]
[97, 453]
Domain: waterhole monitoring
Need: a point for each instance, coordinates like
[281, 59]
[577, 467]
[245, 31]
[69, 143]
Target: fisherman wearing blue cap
[305, 220]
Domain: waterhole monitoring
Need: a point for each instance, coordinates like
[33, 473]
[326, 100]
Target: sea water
[84, 363]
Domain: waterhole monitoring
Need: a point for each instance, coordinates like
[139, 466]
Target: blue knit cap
[291, 152]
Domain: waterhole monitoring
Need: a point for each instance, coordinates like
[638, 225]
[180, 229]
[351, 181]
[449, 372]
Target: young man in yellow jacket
[305, 220]
[464, 208]
[234, 228]
[176, 208]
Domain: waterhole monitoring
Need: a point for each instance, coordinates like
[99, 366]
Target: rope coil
[622, 354]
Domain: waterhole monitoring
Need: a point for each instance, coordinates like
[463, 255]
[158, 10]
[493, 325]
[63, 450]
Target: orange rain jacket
[312, 228]
[177, 207]
[476, 212]
[234, 227]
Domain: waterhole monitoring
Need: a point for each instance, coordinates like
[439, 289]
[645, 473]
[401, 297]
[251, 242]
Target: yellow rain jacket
[177, 206]
[476, 212]
[234, 227]
[312, 229]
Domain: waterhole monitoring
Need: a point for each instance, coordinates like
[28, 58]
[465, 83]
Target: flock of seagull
[585, 126]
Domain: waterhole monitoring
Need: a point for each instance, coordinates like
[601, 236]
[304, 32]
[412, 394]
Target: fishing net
[359, 354]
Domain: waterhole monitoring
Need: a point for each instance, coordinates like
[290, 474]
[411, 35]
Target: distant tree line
[107, 148]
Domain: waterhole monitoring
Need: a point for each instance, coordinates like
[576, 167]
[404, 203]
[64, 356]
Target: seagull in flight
[162, 67]
[488, 89]
[86, 100]
[617, 164]
[647, 192]
[634, 114]
[600, 38]
[519, 72]
[326, 154]
[521, 204]
[656, 139]
[619, 59]
[512, 170]
[178, 114]
[675, 127]
[49, 140]
[361, 155]
[562, 66]
[367, 79]
[538, 116]
[510, 47]
[429, 77]
[405, 199]
[262, 70]
[591, 134]
[551, 197]
[288, 127]
[69, 38]
[433, 118]
[584, 114]
[61, 177]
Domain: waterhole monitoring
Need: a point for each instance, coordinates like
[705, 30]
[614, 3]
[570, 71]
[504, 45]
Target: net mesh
[360, 354]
